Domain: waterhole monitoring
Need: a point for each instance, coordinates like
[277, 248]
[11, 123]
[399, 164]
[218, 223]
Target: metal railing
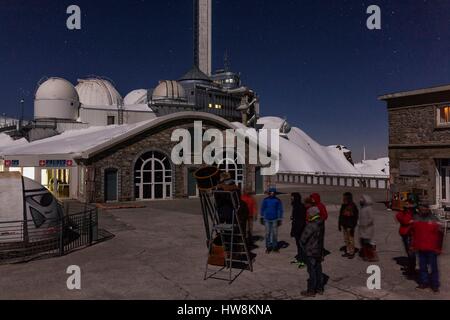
[329, 179]
[22, 241]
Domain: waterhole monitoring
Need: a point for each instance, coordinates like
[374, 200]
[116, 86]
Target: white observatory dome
[136, 97]
[169, 90]
[98, 92]
[56, 98]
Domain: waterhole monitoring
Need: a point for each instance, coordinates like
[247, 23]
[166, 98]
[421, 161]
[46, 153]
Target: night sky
[311, 61]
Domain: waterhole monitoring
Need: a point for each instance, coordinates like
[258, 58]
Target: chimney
[202, 35]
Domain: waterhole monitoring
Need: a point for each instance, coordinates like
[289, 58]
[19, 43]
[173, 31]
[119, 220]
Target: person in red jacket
[315, 197]
[427, 238]
[406, 218]
[247, 197]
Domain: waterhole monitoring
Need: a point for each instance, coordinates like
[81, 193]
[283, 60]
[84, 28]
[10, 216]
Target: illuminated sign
[55, 163]
[12, 163]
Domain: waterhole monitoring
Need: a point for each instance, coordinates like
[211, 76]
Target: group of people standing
[420, 232]
[350, 217]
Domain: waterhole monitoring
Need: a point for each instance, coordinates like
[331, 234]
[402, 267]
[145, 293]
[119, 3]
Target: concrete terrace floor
[159, 252]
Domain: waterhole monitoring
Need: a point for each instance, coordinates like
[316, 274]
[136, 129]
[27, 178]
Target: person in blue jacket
[271, 218]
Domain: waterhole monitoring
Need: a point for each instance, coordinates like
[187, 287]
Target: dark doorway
[111, 185]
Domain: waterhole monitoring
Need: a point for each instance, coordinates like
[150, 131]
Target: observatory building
[90, 143]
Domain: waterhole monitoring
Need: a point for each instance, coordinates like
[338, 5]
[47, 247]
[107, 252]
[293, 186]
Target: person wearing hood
[271, 218]
[366, 229]
[323, 216]
[298, 219]
[312, 245]
[348, 219]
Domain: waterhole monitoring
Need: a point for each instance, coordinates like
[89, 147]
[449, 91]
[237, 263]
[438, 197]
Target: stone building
[419, 142]
[125, 163]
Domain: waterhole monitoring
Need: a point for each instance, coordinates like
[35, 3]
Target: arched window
[152, 177]
[230, 165]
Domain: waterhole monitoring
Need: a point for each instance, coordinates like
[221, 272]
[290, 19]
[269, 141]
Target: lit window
[29, 172]
[210, 105]
[444, 115]
[218, 106]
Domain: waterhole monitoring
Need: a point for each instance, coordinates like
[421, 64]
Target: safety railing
[328, 179]
[24, 240]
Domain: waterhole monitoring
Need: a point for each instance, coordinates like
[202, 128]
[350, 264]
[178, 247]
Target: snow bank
[374, 167]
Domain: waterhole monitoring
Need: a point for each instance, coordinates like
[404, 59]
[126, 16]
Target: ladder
[232, 239]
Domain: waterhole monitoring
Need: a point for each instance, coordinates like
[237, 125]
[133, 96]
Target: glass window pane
[148, 166]
[158, 166]
[168, 193]
[159, 176]
[158, 191]
[29, 172]
[147, 191]
[147, 177]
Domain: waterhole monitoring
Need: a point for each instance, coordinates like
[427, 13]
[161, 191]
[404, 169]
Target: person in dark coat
[298, 219]
[348, 220]
[312, 244]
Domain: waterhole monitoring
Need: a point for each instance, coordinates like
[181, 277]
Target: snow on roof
[300, 153]
[6, 141]
[70, 142]
[374, 167]
[138, 107]
[87, 142]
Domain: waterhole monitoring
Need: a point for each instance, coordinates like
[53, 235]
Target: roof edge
[414, 92]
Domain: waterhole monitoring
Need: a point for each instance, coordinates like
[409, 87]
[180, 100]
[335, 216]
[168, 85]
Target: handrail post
[61, 236]
[91, 225]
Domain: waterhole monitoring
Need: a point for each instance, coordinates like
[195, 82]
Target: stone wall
[427, 159]
[416, 125]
